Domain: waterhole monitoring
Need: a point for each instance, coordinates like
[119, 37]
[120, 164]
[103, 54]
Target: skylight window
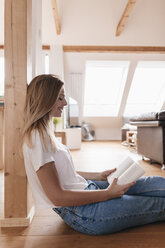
[147, 92]
[104, 85]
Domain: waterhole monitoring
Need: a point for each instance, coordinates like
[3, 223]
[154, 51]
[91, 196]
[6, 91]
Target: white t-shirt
[37, 156]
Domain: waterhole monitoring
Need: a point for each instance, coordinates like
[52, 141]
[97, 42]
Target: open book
[127, 171]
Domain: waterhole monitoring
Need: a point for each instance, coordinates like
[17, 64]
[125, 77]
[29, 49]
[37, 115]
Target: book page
[131, 174]
[123, 166]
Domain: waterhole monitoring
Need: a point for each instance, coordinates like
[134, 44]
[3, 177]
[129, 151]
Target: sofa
[151, 135]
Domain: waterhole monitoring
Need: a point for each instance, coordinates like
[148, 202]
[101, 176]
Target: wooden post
[17, 211]
[1, 136]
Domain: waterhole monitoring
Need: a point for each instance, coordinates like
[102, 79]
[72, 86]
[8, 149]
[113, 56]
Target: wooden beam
[115, 49]
[56, 17]
[62, 135]
[125, 16]
[15, 93]
[108, 49]
[44, 47]
[18, 204]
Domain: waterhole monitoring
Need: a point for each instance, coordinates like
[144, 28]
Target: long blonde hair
[42, 94]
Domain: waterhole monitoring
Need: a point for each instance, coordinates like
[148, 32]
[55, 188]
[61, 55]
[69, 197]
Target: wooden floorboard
[124, 240]
[48, 230]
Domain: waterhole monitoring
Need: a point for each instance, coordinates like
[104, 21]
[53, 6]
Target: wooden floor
[49, 231]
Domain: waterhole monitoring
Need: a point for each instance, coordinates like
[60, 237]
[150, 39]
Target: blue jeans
[144, 203]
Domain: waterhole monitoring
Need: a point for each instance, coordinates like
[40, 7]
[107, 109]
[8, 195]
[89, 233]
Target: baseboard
[18, 222]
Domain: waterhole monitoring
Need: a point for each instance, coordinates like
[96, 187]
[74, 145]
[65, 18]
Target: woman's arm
[49, 180]
[100, 176]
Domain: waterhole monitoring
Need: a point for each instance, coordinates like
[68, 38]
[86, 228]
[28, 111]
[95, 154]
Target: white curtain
[75, 89]
[56, 62]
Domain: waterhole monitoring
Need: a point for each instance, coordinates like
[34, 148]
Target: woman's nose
[65, 102]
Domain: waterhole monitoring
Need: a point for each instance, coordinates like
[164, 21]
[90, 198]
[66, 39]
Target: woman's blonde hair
[42, 94]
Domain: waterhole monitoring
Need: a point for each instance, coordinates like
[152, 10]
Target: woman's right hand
[114, 190]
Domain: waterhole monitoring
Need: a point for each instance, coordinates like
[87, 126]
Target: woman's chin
[58, 115]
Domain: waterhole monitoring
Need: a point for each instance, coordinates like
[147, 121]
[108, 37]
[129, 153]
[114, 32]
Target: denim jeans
[144, 203]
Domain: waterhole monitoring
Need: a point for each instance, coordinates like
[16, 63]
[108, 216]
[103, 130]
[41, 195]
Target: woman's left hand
[105, 174]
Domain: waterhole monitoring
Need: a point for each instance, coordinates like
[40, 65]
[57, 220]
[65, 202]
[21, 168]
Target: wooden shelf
[132, 138]
[62, 135]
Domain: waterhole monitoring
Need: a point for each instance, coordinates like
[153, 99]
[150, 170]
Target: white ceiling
[94, 22]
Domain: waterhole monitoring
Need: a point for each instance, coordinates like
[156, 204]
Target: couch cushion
[147, 123]
[161, 115]
[148, 116]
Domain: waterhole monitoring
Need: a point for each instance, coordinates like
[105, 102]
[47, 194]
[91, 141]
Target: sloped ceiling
[94, 22]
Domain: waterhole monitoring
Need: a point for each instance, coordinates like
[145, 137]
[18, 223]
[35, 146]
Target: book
[127, 171]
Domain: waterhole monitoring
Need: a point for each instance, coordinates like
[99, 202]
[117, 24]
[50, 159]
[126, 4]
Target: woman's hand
[115, 190]
[105, 174]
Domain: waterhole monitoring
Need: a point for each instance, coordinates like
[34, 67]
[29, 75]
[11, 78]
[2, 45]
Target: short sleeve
[38, 154]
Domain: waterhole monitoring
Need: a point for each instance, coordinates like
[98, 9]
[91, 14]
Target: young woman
[84, 200]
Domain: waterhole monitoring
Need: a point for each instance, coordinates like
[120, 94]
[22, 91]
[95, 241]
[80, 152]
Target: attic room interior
[110, 54]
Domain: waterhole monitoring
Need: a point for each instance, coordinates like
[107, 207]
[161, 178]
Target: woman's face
[59, 104]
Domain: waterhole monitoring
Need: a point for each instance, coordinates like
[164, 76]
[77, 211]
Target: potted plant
[56, 121]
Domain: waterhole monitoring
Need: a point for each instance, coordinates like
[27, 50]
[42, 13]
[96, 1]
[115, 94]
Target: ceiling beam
[56, 17]
[106, 49]
[44, 47]
[115, 49]
[125, 16]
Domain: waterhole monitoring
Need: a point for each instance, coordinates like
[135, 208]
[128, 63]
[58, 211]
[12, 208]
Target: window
[147, 92]
[1, 76]
[104, 85]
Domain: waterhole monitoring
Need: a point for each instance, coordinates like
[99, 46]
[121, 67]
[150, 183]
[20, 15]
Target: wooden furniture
[62, 135]
[132, 138]
[73, 138]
